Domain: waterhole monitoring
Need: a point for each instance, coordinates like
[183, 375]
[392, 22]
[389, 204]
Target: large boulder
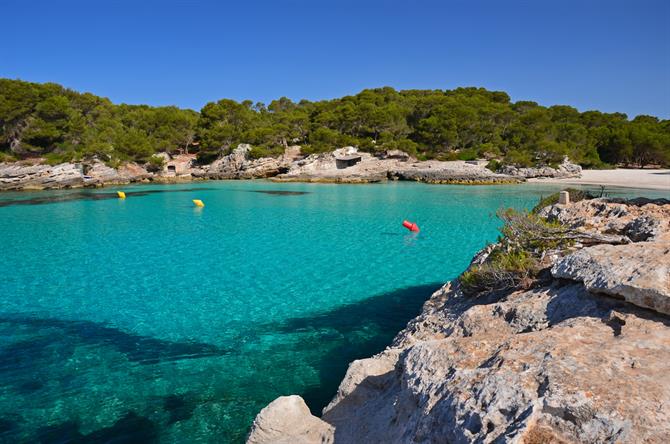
[287, 420]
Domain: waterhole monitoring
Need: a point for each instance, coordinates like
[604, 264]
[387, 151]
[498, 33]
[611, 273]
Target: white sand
[630, 178]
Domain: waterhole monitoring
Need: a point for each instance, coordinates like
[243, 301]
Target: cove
[149, 320]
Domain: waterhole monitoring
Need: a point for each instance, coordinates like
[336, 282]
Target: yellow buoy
[121, 194]
[198, 203]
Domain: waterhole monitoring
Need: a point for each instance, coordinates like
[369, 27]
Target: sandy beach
[630, 178]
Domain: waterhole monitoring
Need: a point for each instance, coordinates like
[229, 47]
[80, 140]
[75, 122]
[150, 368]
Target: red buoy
[410, 226]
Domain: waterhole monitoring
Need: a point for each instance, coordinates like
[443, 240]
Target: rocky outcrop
[240, 165]
[456, 172]
[393, 165]
[638, 273]
[291, 166]
[39, 176]
[15, 176]
[99, 174]
[564, 170]
[561, 362]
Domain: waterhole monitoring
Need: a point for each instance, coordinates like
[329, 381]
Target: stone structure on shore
[582, 357]
[344, 165]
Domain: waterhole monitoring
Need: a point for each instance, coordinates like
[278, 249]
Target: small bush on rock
[516, 261]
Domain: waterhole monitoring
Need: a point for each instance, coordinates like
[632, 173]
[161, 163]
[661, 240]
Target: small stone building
[179, 165]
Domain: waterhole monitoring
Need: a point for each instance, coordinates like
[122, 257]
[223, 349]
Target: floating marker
[121, 194]
[198, 203]
[411, 226]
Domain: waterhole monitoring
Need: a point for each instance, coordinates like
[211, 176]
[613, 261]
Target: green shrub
[55, 158]
[516, 260]
[6, 157]
[155, 164]
[257, 152]
[493, 165]
[502, 271]
[468, 154]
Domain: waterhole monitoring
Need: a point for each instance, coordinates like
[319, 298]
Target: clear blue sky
[608, 55]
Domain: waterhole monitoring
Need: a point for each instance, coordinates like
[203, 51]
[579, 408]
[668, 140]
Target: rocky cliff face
[582, 357]
[26, 176]
[240, 165]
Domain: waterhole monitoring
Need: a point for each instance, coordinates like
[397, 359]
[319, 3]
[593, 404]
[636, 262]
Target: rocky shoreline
[583, 355]
[344, 165]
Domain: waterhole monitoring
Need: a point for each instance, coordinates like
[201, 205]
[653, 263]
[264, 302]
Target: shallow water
[147, 319]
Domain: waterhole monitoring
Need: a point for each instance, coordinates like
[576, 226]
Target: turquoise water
[147, 319]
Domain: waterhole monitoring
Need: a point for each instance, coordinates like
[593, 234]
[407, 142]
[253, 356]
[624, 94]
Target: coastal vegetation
[58, 124]
[515, 261]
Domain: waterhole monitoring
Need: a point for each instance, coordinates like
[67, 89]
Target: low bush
[493, 165]
[516, 260]
[155, 164]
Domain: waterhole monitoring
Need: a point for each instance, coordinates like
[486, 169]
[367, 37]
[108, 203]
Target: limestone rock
[239, 165]
[638, 273]
[564, 170]
[134, 172]
[396, 154]
[563, 362]
[98, 172]
[649, 221]
[394, 165]
[287, 420]
[450, 172]
[14, 176]
[556, 364]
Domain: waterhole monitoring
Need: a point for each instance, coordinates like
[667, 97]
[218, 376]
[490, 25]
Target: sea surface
[150, 320]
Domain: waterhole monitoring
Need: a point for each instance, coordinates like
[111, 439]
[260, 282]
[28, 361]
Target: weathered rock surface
[287, 420]
[564, 170]
[456, 171]
[394, 165]
[559, 363]
[639, 273]
[645, 222]
[239, 165]
[14, 176]
[25, 176]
